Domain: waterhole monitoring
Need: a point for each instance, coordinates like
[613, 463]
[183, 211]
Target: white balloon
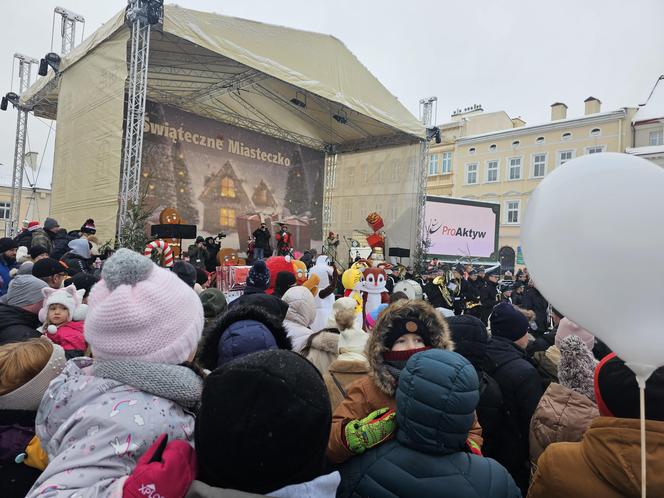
[588, 227]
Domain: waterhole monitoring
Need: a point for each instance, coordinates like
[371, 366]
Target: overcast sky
[514, 55]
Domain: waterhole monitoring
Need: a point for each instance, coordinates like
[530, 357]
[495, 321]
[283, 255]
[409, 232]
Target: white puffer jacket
[301, 314]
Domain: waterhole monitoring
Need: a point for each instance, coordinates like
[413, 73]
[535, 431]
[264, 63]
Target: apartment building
[648, 127]
[505, 166]
[35, 204]
[470, 121]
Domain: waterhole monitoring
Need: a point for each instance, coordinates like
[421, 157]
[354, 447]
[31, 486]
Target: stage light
[154, 11]
[434, 133]
[10, 97]
[300, 99]
[341, 117]
[51, 59]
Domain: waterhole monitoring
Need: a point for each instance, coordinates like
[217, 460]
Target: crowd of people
[122, 378]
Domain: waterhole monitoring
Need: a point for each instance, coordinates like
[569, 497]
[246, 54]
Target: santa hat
[89, 226]
[68, 297]
[34, 225]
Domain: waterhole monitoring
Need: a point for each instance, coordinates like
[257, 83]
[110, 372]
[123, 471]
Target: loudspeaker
[399, 252]
[173, 231]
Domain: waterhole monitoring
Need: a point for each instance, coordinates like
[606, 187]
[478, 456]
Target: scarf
[174, 382]
[395, 361]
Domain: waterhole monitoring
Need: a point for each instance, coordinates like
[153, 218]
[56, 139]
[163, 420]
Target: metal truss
[24, 76]
[328, 189]
[137, 18]
[421, 246]
[68, 28]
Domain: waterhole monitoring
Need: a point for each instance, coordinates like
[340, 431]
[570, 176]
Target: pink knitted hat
[142, 312]
[567, 327]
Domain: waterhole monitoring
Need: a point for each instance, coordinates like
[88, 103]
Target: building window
[515, 168]
[471, 150]
[566, 136]
[515, 144]
[227, 187]
[471, 174]
[512, 212]
[564, 156]
[539, 165]
[5, 208]
[447, 163]
[595, 150]
[227, 217]
[491, 171]
[539, 140]
[492, 147]
[656, 137]
[433, 164]
[595, 132]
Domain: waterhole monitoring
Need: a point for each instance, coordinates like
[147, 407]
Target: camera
[220, 235]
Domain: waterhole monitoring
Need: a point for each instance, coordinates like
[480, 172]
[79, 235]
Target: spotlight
[10, 97]
[154, 11]
[51, 59]
[434, 133]
[341, 117]
[300, 99]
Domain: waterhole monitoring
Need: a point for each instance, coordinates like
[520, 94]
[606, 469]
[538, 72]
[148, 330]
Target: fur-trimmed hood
[439, 338]
[239, 331]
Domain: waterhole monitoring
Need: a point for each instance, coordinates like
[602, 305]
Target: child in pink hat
[101, 414]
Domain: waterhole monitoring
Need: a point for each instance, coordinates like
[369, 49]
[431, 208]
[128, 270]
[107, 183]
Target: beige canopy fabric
[302, 87]
[247, 73]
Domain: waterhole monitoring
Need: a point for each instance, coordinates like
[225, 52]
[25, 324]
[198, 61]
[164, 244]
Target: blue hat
[259, 275]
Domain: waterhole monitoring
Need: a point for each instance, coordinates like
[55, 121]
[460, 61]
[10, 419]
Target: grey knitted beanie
[577, 366]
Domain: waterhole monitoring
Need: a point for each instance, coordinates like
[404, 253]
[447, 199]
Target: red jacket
[69, 336]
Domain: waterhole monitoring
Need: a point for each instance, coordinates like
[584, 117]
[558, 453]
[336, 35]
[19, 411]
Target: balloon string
[642, 401]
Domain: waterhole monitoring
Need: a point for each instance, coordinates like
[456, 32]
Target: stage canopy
[302, 87]
[246, 73]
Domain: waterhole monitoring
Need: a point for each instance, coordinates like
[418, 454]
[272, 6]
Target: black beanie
[285, 280]
[264, 423]
[508, 322]
[185, 271]
[617, 391]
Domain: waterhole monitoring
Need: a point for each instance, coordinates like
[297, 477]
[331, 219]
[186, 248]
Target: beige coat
[321, 349]
[562, 415]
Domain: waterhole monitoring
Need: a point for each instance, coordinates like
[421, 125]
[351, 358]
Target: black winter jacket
[470, 341]
[60, 241]
[436, 398]
[17, 325]
[534, 301]
[77, 264]
[521, 387]
[262, 238]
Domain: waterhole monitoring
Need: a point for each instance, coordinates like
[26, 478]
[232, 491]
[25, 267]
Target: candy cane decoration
[163, 249]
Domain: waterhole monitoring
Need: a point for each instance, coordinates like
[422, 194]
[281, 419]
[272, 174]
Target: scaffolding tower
[427, 117]
[68, 20]
[24, 77]
[141, 14]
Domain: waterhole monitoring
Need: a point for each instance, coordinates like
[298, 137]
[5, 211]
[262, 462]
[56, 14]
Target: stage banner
[227, 179]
